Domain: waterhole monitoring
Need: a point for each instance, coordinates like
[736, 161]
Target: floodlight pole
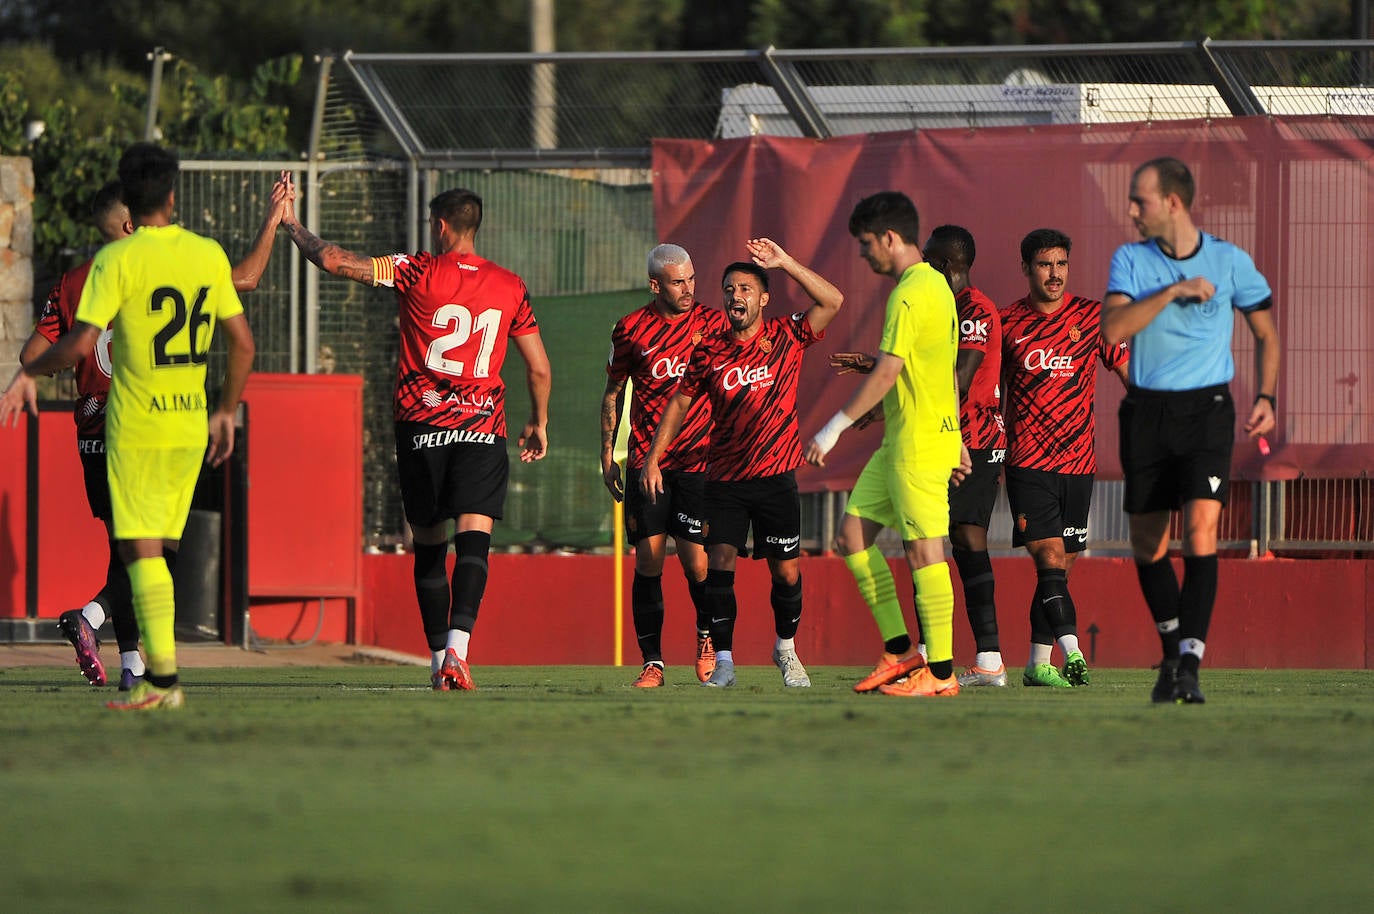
[159, 56]
[543, 94]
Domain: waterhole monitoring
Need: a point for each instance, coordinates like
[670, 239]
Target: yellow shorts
[908, 497]
[151, 489]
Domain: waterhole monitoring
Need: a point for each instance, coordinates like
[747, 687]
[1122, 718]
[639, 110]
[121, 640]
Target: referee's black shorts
[1176, 446]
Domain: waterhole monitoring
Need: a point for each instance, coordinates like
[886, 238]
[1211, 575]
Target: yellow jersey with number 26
[165, 288]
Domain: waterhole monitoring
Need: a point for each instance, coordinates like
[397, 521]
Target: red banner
[1298, 194]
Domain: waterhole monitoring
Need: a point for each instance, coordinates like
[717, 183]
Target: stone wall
[16, 261]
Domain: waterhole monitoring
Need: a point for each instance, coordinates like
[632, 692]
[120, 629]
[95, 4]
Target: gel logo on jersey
[1046, 360]
[739, 376]
[670, 367]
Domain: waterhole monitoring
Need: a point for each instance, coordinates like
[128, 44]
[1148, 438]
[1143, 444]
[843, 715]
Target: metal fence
[560, 146]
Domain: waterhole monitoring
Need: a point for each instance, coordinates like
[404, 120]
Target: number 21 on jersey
[460, 325]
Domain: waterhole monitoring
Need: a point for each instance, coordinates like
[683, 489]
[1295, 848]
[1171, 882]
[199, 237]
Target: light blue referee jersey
[1188, 344]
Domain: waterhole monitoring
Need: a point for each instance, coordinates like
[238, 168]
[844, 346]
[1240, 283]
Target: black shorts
[1176, 446]
[1046, 505]
[769, 504]
[92, 453]
[678, 511]
[972, 501]
[446, 473]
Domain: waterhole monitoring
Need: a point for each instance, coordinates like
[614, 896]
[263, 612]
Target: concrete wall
[16, 261]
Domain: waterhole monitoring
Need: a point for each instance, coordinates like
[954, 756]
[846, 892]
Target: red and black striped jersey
[93, 372]
[457, 314]
[651, 351]
[1050, 382]
[980, 329]
[752, 386]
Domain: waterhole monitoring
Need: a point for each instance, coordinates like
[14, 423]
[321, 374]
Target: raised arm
[248, 272]
[1123, 317]
[327, 256]
[827, 299]
[22, 392]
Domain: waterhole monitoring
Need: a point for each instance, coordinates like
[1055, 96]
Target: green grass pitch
[349, 789]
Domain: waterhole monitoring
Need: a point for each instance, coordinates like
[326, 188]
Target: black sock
[646, 607]
[720, 591]
[942, 669]
[469, 578]
[1052, 592]
[1197, 596]
[432, 591]
[898, 645]
[162, 682]
[1040, 630]
[1159, 585]
[117, 598]
[975, 573]
[697, 590]
[786, 600]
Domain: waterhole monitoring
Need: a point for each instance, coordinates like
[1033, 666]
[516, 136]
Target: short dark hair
[1174, 178]
[460, 208]
[148, 173]
[953, 241]
[745, 266]
[1043, 239]
[888, 210]
[108, 198]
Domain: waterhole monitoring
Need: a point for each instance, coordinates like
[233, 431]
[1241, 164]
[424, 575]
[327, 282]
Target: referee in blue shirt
[1171, 295]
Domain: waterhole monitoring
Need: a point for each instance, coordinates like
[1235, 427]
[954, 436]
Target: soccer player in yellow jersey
[905, 484]
[165, 288]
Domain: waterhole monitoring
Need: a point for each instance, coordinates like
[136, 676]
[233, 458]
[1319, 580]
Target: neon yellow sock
[155, 607]
[874, 577]
[935, 607]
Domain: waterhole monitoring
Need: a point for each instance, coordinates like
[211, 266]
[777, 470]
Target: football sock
[120, 604]
[1052, 593]
[1041, 653]
[898, 645]
[436, 660]
[697, 591]
[785, 644]
[720, 590]
[155, 605]
[1190, 660]
[469, 578]
[132, 661]
[1069, 644]
[458, 642]
[94, 614]
[432, 591]
[879, 590]
[1197, 596]
[786, 600]
[988, 660]
[1159, 585]
[935, 607]
[646, 607]
[975, 573]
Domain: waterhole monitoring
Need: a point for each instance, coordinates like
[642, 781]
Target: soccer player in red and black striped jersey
[92, 375]
[458, 313]
[978, 367]
[750, 375]
[649, 349]
[1050, 341]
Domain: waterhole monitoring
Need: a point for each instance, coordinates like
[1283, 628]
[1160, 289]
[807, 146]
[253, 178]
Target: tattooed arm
[327, 256]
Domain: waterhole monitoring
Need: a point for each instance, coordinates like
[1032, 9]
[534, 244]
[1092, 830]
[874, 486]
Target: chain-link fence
[559, 146]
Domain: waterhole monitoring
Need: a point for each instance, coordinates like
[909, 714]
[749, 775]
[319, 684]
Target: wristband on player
[1273, 404]
[827, 436]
